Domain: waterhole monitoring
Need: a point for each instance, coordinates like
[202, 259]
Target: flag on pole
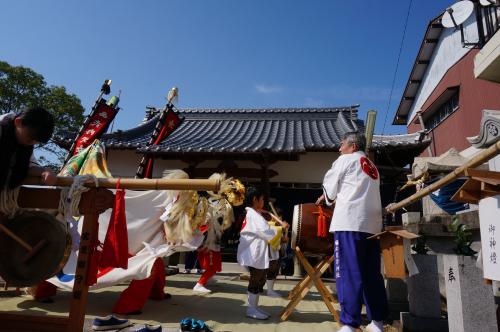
[172, 121]
[167, 123]
[97, 125]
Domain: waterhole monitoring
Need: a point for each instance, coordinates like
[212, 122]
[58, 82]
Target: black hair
[39, 122]
[251, 193]
[354, 137]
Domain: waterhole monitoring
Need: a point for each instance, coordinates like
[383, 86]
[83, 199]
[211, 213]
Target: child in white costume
[253, 249]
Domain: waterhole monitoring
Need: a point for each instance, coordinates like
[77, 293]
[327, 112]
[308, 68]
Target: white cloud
[362, 93]
[268, 89]
[311, 102]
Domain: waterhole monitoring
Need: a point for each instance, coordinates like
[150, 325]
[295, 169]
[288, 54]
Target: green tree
[22, 87]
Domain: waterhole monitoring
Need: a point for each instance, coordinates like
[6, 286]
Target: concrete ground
[223, 310]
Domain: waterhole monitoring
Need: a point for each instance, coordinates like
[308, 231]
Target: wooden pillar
[94, 202]
[266, 187]
[191, 169]
[80, 286]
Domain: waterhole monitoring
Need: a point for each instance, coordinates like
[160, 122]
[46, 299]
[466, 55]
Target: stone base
[410, 323]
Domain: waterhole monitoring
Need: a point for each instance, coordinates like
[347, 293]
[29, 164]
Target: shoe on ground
[264, 312]
[199, 271]
[186, 271]
[109, 323]
[200, 326]
[186, 324]
[375, 326]
[347, 328]
[254, 313]
[199, 288]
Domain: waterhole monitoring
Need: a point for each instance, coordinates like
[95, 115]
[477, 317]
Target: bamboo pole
[129, 183]
[478, 160]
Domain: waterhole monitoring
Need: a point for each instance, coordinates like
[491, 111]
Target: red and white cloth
[146, 241]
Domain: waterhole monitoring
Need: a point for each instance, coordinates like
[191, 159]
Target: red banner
[96, 126]
[172, 121]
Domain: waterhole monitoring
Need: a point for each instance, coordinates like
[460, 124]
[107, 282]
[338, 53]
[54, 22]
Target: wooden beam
[32, 323]
[469, 197]
[489, 189]
[479, 159]
[490, 177]
[40, 198]
[141, 184]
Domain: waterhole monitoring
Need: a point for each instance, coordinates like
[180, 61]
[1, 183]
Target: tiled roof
[284, 130]
[384, 141]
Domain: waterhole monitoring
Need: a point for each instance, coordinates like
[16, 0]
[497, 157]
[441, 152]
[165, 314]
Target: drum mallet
[31, 250]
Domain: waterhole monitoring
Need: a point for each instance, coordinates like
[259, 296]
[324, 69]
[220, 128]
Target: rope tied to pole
[8, 201]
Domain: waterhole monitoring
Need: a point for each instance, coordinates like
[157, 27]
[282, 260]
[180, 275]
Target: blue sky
[221, 54]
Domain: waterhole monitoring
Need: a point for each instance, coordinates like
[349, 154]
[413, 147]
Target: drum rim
[67, 249]
[296, 225]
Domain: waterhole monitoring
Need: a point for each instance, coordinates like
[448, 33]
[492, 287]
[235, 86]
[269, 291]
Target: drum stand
[92, 203]
[302, 288]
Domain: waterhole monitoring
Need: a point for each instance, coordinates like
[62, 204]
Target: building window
[450, 106]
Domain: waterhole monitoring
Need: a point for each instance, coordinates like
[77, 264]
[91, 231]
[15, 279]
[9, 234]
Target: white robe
[353, 183]
[253, 250]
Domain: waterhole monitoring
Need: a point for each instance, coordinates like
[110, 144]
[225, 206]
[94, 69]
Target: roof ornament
[173, 95]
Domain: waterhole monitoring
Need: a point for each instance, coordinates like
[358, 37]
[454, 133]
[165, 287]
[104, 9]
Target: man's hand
[285, 225]
[320, 200]
[48, 177]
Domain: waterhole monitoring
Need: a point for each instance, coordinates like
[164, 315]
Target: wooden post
[80, 288]
[93, 202]
[265, 179]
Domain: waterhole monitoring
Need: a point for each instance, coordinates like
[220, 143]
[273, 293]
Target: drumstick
[272, 208]
[275, 214]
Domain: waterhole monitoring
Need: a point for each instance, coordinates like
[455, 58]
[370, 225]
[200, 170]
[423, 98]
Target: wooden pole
[145, 184]
[478, 160]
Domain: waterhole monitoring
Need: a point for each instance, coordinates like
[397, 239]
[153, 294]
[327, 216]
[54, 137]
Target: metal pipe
[478, 160]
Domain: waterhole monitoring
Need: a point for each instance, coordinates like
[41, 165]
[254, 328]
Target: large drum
[308, 233]
[33, 227]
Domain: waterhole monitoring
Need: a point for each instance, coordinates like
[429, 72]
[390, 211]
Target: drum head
[33, 227]
[305, 230]
[295, 226]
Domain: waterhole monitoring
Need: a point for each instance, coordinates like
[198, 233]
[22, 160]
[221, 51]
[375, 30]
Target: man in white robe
[353, 183]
